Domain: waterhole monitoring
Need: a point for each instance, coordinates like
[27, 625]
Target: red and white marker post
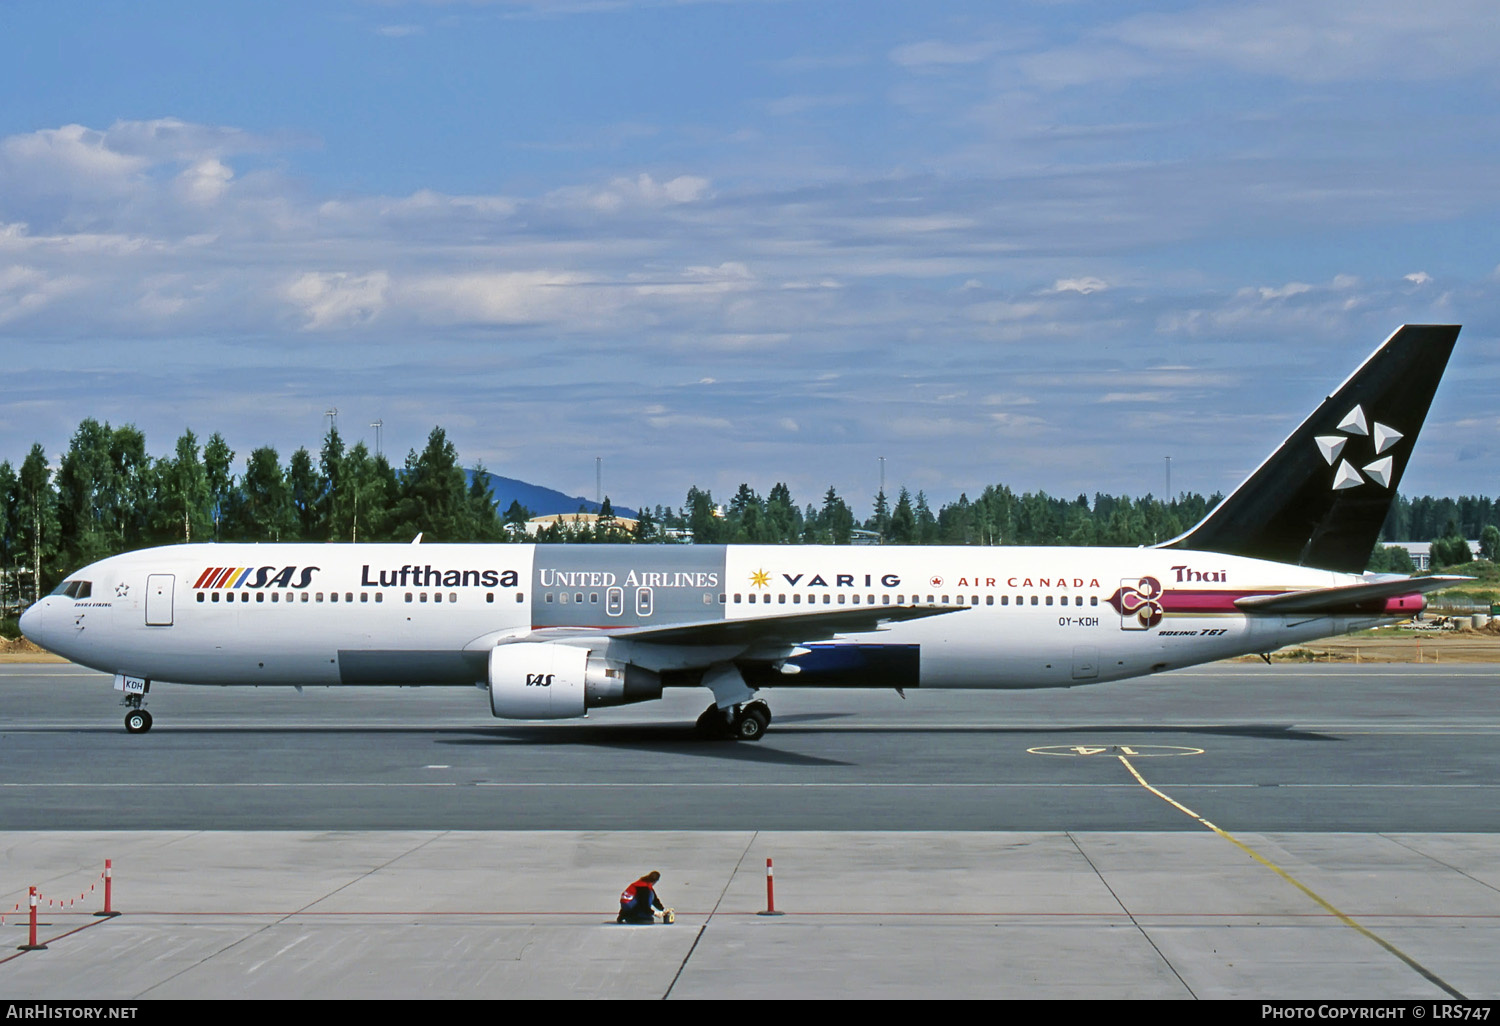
[32, 945]
[770, 893]
[109, 890]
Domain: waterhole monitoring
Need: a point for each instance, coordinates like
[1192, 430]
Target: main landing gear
[747, 722]
[137, 720]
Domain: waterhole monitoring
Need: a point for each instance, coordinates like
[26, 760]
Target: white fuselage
[297, 614]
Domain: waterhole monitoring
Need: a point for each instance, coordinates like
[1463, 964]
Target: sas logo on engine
[539, 680]
[256, 577]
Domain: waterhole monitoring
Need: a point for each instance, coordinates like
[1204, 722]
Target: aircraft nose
[31, 622]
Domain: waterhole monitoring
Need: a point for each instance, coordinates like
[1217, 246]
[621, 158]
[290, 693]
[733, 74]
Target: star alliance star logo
[122, 590]
[1381, 471]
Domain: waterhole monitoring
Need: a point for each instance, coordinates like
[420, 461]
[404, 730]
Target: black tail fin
[1321, 498]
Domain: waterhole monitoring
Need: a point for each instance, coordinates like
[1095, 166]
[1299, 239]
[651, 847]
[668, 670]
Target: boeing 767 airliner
[552, 631]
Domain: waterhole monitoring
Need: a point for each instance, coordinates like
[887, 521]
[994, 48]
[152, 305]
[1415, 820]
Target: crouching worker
[637, 900]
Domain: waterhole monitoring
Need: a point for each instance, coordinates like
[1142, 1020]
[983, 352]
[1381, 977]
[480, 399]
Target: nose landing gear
[137, 720]
[746, 722]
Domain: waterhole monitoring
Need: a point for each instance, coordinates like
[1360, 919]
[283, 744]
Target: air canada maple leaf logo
[1138, 603]
[1381, 470]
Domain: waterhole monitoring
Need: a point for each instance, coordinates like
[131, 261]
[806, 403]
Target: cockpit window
[74, 589]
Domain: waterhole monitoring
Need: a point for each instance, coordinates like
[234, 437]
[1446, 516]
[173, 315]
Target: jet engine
[547, 681]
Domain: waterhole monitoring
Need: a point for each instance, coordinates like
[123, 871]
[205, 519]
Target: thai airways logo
[1354, 425]
[1139, 604]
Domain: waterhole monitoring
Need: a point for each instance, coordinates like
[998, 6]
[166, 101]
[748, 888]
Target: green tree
[133, 479]
[484, 520]
[184, 493]
[306, 489]
[1489, 543]
[262, 509]
[926, 522]
[1451, 549]
[433, 499]
[704, 519]
[1391, 559]
[9, 504]
[85, 494]
[838, 519]
[783, 520]
[903, 526]
[38, 532]
[218, 461]
[331, 507]
[515, 519]
[646, 527]
[880, 520]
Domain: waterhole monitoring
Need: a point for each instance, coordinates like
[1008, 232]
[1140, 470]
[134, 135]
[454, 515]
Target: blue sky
[1046, 243]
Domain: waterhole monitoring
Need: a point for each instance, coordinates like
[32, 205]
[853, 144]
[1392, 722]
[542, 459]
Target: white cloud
[338, 300]
[204, 182]
[1419, 278]
[935, 53]
[66, 159]
[1080, 285]
[26, 290]
[1291, 288]
[625, 193]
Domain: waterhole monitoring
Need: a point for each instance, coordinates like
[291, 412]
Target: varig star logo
[1381, 471]
[1138, 603]
[760, 579]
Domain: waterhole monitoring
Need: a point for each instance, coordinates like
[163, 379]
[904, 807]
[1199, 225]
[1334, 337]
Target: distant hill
[539, 500]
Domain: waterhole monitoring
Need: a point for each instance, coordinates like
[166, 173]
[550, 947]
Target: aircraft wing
[1353, 598]
[778, 629]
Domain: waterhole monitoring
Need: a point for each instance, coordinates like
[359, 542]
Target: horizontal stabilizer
[1353, 598]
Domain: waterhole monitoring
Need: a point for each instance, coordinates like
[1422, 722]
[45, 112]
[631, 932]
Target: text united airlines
[549, 578]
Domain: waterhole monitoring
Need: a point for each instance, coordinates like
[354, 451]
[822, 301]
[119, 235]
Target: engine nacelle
[532, 680]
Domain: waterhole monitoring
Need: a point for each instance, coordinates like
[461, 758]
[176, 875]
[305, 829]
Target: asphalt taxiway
[1237, 830]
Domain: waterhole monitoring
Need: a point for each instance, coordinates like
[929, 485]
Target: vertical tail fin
[1320, 499]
